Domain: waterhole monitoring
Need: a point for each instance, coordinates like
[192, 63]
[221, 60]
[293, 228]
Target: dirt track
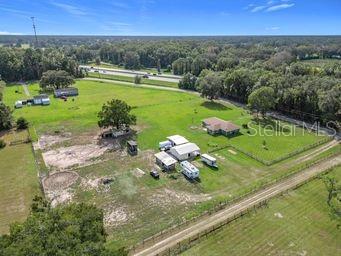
[208, 222]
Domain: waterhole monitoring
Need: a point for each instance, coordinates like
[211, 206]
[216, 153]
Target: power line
[34, 28]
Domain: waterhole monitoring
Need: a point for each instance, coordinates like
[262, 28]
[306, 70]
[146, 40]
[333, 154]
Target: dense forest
[236, 65]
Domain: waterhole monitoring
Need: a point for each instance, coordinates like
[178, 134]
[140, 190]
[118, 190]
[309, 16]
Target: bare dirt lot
[57, 186]
[66, 157]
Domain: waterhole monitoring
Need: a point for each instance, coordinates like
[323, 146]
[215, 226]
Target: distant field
[107, 65]
[18, 181]
[321, 62]
[131, 79]
[295, 224]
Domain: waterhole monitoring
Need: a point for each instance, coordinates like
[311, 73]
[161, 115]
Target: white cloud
[279, 7]
[258, 8]
[9, 33]
[270, 6]
[74, 10]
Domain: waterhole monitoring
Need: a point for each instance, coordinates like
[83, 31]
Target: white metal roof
[165, 158]
[177, 139]
[185, 148]
[208, 157]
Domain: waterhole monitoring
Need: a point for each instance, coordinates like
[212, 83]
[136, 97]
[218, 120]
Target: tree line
[240, 65]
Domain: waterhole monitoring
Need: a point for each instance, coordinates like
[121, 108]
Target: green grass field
[18, 180]
[159, 114]
[295, 224]
[108, 65]
[131, 79]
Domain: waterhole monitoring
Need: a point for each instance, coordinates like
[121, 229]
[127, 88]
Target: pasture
[160, 114]
[131, 79]
[297, 223]
[135, 205]
[18, 180]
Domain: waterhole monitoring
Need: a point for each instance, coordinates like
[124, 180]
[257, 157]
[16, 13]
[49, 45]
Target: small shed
[132, 147]
[41, 99]
[18, 104]
[165, 161]
[67, 92]
[216, 125]
[177, 140]
[185, 151]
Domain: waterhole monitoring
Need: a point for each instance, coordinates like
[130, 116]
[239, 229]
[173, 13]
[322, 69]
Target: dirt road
[221, 216]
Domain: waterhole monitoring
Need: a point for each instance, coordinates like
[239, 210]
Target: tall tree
[116, 113]
[53, 79]
[6, 118]
[262, 100]
[76, 229]
[188, 82]
[210, 86]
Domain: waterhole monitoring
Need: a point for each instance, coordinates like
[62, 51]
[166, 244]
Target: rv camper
[189, 170]
[209, 160]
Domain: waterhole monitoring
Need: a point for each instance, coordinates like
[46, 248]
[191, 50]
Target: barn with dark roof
[216, 125]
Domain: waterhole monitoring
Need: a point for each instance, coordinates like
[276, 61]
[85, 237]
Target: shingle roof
[215, 124]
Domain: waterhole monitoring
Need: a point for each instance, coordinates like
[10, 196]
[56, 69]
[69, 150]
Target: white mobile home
[165, 161]
[189, 170]
[41, 99]
[209, 160]
[185, 151]
[177, 140]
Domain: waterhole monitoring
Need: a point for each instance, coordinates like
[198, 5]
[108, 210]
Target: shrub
[22, 123]
[245, 126]
[137, 79]
[2, 144]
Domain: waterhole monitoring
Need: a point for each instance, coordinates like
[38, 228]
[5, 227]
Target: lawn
[159, 114]
[298, 223]
[131, 79]
[18, 182]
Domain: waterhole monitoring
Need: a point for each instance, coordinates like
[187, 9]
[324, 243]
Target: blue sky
[172, 17]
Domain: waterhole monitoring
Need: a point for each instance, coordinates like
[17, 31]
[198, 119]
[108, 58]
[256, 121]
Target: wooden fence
[223, 204]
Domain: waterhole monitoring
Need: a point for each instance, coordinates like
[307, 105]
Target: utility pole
[35, 32]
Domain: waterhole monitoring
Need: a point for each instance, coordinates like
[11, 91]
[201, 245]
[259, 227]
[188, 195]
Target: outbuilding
[165, 161]
[177, 140]
[67, 92]
[18, 104]
[41, 99]
[216, 126]
[185, 151]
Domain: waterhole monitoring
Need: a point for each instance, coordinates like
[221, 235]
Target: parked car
[155, 174]
[145, 76]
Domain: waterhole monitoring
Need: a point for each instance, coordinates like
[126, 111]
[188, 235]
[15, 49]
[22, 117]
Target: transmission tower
[34, 29]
